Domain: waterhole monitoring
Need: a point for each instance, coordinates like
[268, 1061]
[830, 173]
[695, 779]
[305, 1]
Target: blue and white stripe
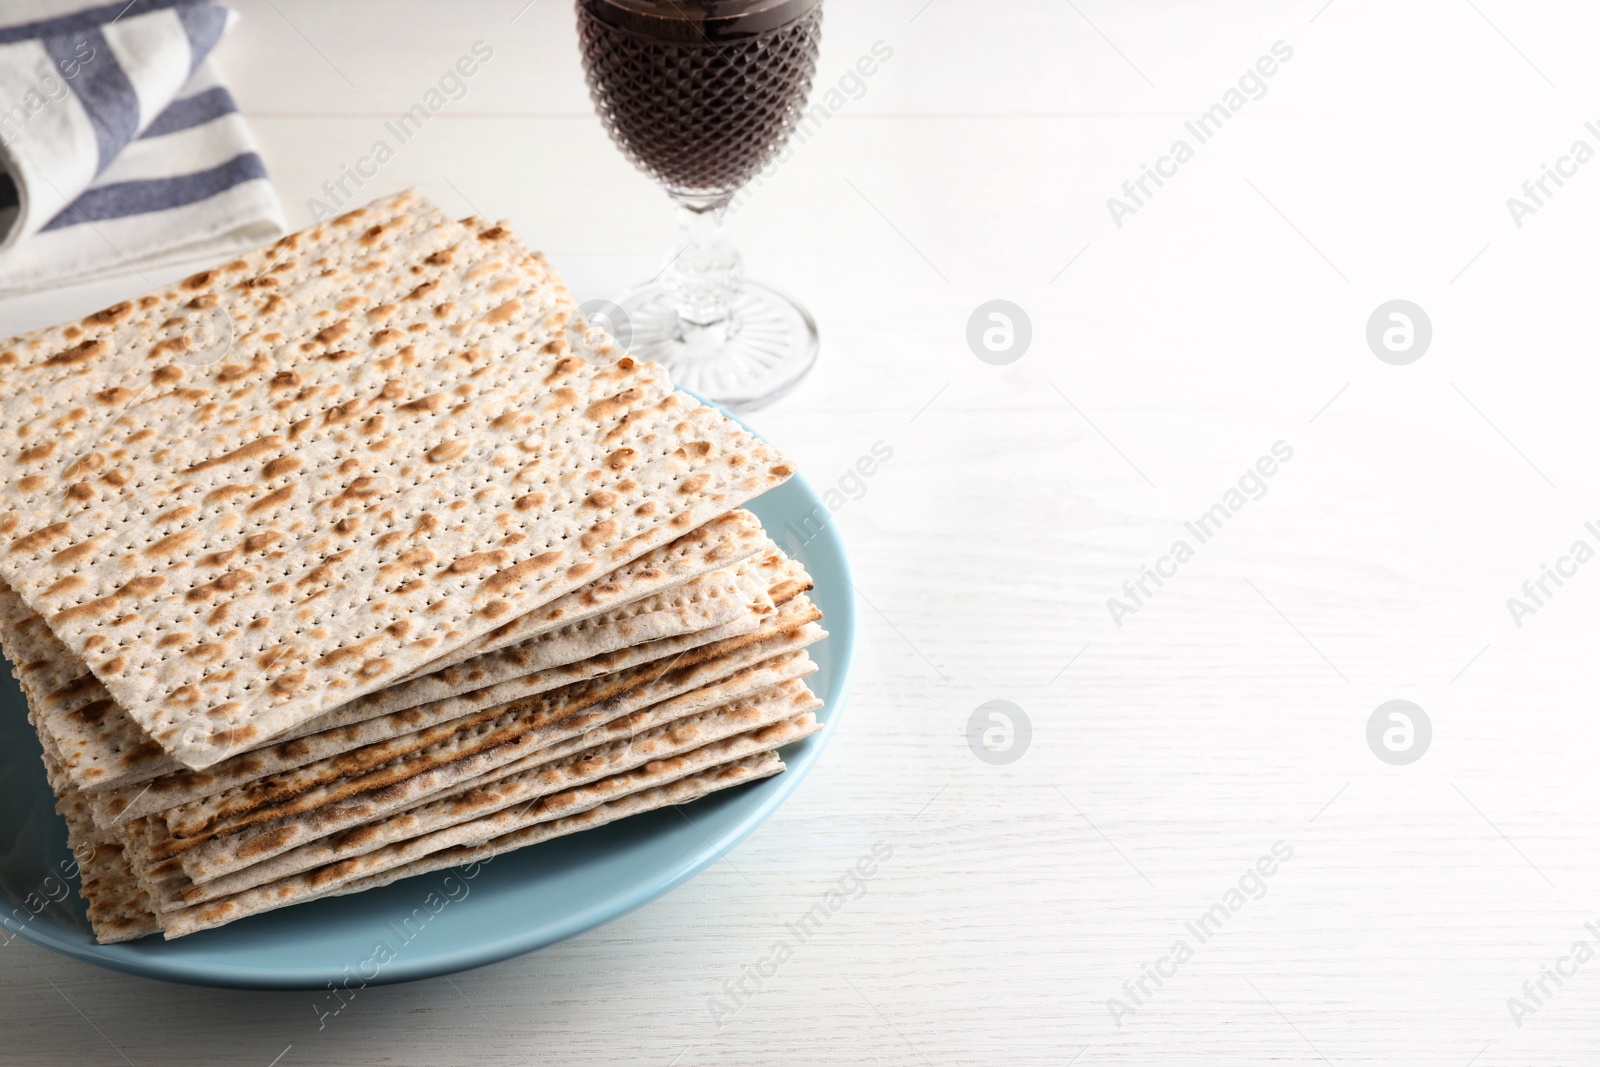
[119, 144]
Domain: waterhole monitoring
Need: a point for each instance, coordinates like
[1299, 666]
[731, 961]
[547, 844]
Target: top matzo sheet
[292, 479]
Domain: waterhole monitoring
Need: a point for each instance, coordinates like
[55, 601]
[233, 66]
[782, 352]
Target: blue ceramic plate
[442, 922]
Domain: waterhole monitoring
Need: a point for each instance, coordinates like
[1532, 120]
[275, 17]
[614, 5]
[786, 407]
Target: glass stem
[704, 272]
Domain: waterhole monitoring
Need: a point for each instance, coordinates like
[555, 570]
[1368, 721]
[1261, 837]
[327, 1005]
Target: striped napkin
[119, 145]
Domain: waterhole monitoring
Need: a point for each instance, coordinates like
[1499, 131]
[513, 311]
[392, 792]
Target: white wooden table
[1226, 717]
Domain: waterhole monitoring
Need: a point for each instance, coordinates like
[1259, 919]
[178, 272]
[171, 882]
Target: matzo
[710, 600]
[395, 456]
[495, 792]
[119, 908]
[682, 791]
[179, 920]
[734, 698]
[720, 543]
[103, 737]
[226, 806]
[346, 727]
[102, 748]
[513, 729]
[666, 674]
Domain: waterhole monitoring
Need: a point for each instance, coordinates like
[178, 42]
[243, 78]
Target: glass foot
[758, 353]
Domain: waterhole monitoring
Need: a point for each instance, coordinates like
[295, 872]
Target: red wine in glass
[700, 95]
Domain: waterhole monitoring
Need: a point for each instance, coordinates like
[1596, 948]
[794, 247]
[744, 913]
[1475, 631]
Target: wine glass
[700, 94]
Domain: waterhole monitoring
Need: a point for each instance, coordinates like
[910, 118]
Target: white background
[1225, 715]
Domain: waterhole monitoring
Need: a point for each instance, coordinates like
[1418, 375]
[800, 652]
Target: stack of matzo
[410, 573]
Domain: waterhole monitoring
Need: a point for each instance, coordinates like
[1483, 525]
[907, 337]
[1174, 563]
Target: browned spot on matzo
[39, 538]
[78, 353]
[272, 500]
[243, 452]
